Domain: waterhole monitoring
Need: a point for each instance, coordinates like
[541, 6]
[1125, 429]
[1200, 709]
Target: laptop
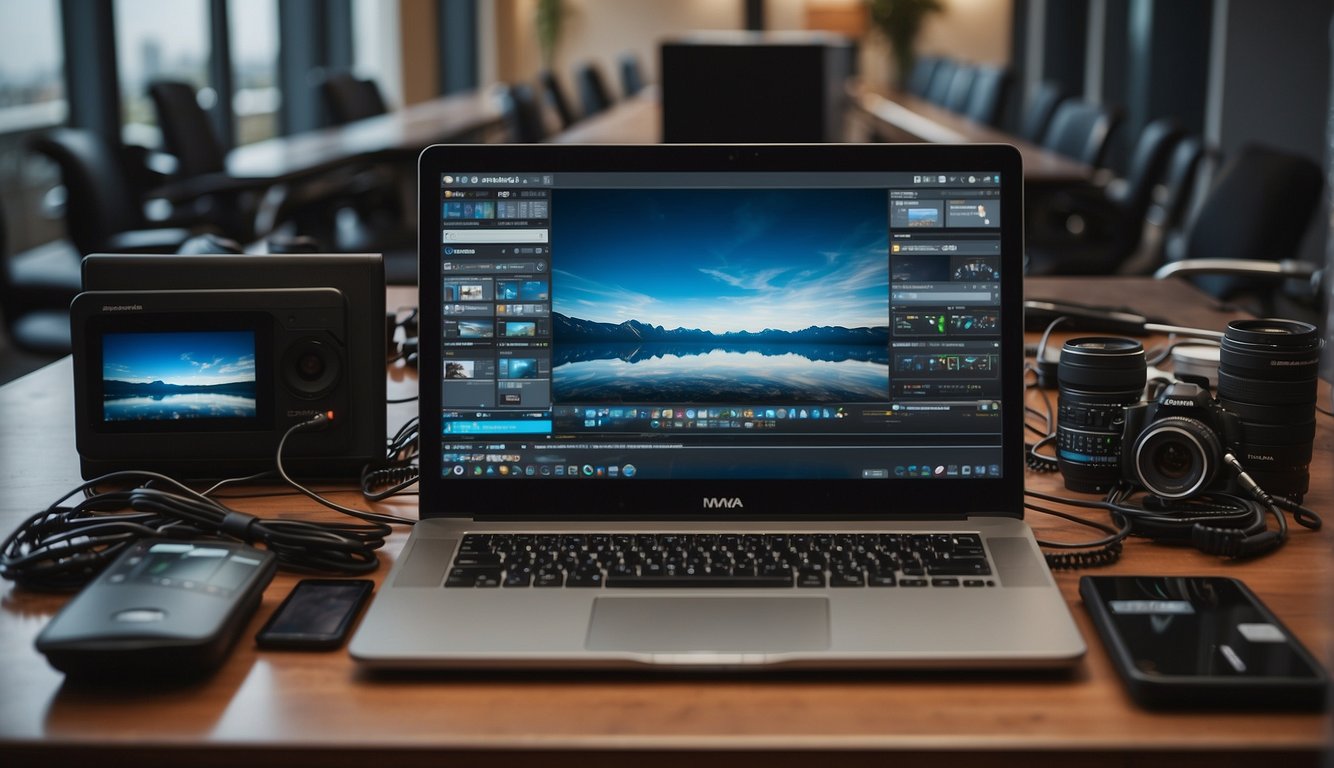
[720, 407]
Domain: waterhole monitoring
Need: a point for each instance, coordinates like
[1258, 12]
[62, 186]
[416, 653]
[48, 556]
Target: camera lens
[1099, 377]
[1267, 377]
[1176, 457]
[311, 368]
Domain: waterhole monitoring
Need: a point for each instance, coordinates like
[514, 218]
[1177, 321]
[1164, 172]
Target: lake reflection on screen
[210, 405]
[709, 374]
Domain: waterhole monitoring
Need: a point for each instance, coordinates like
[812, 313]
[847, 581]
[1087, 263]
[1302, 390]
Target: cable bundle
[65, 545]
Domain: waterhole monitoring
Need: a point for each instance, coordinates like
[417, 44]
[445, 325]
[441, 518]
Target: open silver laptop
[720, 406]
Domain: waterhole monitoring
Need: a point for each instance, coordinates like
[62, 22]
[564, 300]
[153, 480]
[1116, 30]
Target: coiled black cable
[65, 545]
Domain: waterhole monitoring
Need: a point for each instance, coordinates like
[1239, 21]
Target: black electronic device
[1201, 642]
[1173, 446]
[197, 366]
[316, 615]
[1099, 377]
[162, 609]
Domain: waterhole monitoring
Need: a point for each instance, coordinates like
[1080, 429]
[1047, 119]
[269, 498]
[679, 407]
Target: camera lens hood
[1272, 332]
[1102, 363]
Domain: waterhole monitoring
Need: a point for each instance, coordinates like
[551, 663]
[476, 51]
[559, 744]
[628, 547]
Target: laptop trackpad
[709, 624]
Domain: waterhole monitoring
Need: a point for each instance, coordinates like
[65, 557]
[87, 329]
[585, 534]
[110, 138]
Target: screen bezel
[681, 499]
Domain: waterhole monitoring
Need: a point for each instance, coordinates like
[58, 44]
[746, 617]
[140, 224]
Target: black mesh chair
[349, 98]
[986, 104]
[1080, 131]
[961, 88]
[1038, 113]
[556, 98]
[1258, 210]
[594, 95]
[1092, 230]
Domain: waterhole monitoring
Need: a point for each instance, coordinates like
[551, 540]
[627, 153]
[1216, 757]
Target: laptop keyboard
[720, 560]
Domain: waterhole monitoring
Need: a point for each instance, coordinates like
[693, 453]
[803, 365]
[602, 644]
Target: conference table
[289, 708]
[399, 134]
[895, 115]
[891, 116]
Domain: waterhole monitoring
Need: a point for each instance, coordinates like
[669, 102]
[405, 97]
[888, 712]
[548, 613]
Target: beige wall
[601, 30]
[975, 31]
[418, 28]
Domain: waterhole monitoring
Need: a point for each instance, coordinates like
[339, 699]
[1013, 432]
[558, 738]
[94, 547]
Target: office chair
[1182, 185]
[1258, 210]
[187, 132]
[986, 104]
[523, 114]
[1092, 230]
[941, 81]
[632, 77]
[1080, 131]
[556, 98]
[36, 288]
[919, 82]
[103, 210]
[593, 93]
[961, 88]
[349, 98]
[372, 189]
[1038, 114]
[201, 161]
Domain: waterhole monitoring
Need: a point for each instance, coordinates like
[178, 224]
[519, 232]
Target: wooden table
[290, 708]
[899, 116]
[401, 133]
[638, 120]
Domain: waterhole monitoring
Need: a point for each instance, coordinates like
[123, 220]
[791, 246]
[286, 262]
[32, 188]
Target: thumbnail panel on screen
[178, 375]
[760, 296]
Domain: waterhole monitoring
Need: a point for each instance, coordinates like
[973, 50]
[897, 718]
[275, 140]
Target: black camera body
[203, 379]
[1173, 446]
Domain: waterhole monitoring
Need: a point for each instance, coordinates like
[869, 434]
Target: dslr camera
[1173, 446]
[202, 379]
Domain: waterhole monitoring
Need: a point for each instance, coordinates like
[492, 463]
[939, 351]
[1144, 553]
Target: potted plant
[550, 15]
[900, 21]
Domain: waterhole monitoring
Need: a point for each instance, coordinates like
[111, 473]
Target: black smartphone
[317, 615]
[1203, 642]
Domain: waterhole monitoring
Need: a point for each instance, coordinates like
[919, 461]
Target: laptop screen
[626, 326]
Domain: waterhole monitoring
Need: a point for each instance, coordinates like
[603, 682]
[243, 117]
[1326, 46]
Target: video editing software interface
[720, 326]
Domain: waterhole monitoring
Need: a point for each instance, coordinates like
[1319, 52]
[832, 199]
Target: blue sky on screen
[202, 358]
[722, 260]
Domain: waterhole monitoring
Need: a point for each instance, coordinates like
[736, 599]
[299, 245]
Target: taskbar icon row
[947, 470]
[494, 469]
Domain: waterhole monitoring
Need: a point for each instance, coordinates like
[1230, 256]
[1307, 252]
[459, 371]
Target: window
[253, 27]
[32, 97]
[32, 85]
[159, 40]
